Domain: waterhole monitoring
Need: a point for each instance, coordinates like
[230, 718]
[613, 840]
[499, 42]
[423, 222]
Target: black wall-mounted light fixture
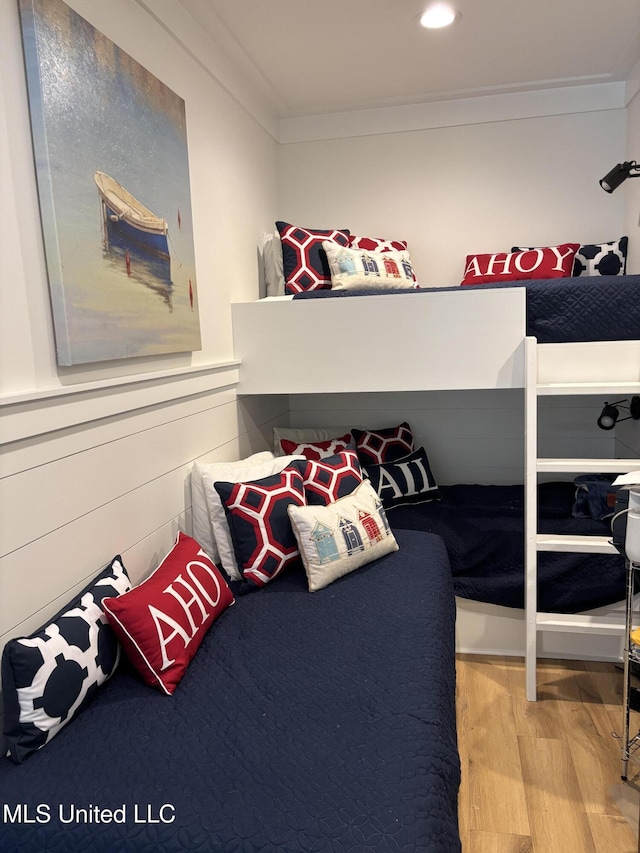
[610, 414]
[619, 174]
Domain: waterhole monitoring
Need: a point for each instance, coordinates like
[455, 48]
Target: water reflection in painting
[113, 179]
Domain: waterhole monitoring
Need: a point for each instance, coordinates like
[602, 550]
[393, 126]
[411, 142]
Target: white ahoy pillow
[342, 536]
[217, 515]
[201, 520]
[357, 269]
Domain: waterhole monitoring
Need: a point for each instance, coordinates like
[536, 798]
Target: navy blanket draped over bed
[310, 722]
[483, 529]
[559, 310]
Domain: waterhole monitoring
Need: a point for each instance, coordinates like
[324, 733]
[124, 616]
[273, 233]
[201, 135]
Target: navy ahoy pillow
[325, 480]
[304, 261]
[51, 675]
[598, 258]
[263, 540]
[383, 445]
[406, 481]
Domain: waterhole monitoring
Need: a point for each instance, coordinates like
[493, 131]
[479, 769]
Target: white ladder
[535, 621]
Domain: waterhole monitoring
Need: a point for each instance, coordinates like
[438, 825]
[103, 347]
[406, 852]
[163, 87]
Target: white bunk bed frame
[455, 340]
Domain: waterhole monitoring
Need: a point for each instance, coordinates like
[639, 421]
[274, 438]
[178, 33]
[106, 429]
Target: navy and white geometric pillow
[406, 481]
[598, 258]
[50, 676]
[383, 445]
[602, 259]
[304, 260]
[263, 540]
[326, 480]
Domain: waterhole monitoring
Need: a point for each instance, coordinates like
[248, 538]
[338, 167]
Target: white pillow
[273, 264]
[303, 435]
[357, 269]
[217, 515]
[342, 536]
[201, 521]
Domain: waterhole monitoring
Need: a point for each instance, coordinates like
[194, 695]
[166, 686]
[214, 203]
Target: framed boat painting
[112, 171]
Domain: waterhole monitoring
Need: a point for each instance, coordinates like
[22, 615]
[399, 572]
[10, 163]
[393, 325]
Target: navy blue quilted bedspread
[559, 310]
[483, 529]
[319, 722]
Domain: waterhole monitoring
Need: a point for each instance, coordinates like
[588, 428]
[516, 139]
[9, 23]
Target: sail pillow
[406, 481]
[343, 536]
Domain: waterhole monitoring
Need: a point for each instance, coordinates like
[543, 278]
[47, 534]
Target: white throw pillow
[201, 521]
[272, 263]
[217, 515]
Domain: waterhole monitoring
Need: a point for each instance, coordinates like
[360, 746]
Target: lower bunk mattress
[308, 722]
[483, 529]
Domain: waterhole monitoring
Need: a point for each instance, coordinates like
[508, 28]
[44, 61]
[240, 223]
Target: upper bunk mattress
[307, 722]
[559, 310]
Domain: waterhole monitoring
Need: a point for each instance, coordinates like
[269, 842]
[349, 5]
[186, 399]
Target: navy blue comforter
[316, 722]
[559, 310]
[483, 529]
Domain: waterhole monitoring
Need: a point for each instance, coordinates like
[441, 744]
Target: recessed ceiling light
[438, 15]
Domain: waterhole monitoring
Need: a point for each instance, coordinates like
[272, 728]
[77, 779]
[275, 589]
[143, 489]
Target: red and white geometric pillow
[383, 445]
[377, 244]
[316, 449]
[162, 621]
[260, 528]
[304, 260]
[327, 480]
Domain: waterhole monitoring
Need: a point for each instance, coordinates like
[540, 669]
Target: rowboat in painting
[128, 221]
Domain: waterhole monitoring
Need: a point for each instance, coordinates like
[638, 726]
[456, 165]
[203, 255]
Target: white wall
[468, 176]
[462, 180]
[469, 436]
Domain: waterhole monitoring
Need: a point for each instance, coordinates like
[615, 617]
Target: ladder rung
[575, 544]
[587, 466]
[581, 623]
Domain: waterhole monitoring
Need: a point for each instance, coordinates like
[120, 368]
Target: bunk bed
[480, 337]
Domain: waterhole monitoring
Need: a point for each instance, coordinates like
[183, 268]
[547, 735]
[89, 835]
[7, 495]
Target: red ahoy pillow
[162, 621]
[548, 262]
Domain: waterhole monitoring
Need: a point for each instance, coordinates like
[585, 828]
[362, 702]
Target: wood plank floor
[542, 777]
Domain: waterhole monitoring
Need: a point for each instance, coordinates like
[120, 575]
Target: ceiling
[308, 58]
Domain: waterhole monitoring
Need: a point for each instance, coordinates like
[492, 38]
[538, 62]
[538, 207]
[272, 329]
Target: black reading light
[610, 414]
[618, 175]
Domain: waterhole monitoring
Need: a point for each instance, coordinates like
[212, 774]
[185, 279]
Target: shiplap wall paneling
[470, 436]
[69, 503]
